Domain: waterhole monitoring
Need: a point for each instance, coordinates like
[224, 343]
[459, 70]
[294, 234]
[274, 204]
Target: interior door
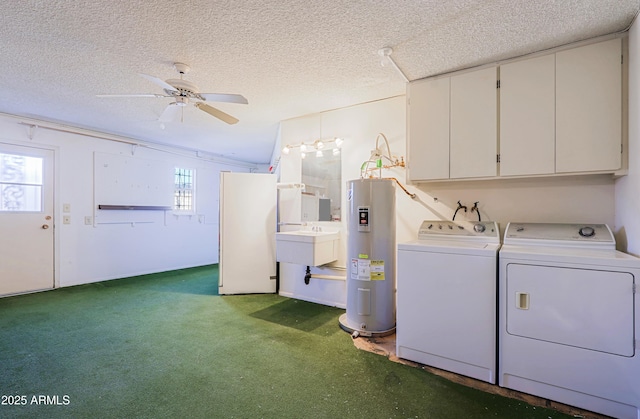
[26, 219]
[247, 233]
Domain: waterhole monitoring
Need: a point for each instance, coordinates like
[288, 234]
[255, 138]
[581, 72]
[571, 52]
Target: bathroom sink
[305, 247]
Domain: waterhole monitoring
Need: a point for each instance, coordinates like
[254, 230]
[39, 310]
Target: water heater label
[354, 268]
[367, 270]
[364, 270]
[377, 270]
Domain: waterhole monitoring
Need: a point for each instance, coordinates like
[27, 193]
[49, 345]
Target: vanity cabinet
[557, 113]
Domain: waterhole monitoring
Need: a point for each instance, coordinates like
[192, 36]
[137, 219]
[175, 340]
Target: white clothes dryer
[446, 297]
[569, 322]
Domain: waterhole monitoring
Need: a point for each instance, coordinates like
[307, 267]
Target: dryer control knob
[587, 232]
[479, 228]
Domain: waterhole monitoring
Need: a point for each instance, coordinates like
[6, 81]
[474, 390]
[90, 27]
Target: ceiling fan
[183, 91]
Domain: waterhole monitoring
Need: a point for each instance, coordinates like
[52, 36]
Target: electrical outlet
[88, 220]
[66, 207]
[66, 219]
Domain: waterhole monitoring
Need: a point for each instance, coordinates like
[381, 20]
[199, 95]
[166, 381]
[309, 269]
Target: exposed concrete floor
[386, 346]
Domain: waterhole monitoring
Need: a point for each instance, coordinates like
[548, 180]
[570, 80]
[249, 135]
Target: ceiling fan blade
[170, 112]
[222, 97]
[217, 113]
[159, 82]
[135, 95]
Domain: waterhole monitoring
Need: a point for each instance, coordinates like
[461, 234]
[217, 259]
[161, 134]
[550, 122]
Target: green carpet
[166, 345]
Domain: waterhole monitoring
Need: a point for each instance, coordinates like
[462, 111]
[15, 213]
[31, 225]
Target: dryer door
[590, 309]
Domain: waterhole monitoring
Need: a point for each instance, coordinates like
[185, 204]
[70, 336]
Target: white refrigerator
[247, 233]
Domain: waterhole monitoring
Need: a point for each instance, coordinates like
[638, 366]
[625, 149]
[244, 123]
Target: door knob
[45, 226]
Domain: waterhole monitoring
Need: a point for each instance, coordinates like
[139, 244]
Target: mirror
[322, 177]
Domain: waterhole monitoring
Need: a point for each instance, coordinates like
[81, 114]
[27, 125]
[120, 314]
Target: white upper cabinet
[473, 135]
[558, 113]
[428, 128]
[589, 108]
[527, 117]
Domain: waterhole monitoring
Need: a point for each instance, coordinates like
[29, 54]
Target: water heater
[371, 258]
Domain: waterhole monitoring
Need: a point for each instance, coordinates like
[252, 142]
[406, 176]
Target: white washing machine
[569, 322]
[446, 297]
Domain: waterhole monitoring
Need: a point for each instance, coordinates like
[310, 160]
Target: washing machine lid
[473, 248]
[464, 231]
[588, 236]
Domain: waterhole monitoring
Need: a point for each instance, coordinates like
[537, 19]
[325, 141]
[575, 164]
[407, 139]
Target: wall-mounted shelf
[135, 207]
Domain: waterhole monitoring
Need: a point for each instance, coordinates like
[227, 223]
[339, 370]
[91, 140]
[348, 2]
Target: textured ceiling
[288, 57]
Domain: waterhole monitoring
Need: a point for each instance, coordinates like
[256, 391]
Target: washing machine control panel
[429, 229]
[559, 231]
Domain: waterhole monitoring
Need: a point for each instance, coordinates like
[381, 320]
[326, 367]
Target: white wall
[627, 225]
[586, 199]
[89, 253]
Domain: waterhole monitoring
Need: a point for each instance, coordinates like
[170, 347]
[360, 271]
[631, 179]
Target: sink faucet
[315, 228]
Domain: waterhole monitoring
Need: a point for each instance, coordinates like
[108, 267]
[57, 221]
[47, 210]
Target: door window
[20, 183]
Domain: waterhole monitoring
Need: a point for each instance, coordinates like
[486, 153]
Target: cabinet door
[589, 108]
[527, 117]
[473, 139]
[428, 128]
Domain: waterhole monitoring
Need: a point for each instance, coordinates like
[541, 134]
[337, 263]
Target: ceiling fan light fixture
[181, 91]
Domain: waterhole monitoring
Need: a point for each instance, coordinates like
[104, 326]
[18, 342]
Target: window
[184, 196]
[20, 183]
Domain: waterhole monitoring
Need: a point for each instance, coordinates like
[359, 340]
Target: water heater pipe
[335, 277]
